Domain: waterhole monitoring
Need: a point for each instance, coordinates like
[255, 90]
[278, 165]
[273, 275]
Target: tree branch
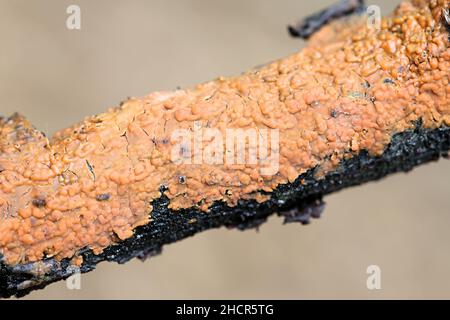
[348, 108]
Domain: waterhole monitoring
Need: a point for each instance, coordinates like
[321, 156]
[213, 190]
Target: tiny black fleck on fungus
[182, 179]
[39, 203]
[91, 169]
[366, 84]
[103, 197]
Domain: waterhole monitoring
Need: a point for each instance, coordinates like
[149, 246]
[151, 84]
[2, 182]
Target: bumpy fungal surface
[339, 105]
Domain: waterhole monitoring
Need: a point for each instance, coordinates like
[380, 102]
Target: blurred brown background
[129, 48]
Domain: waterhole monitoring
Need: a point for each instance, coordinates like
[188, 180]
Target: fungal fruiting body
[350, 90]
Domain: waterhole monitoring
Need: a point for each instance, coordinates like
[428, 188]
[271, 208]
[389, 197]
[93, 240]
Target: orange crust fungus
[351, 89]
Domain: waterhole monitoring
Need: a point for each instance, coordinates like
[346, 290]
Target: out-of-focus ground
[129, 48]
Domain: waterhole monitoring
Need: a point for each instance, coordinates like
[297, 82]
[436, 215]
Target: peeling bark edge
[306, 27]
[406, 150]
